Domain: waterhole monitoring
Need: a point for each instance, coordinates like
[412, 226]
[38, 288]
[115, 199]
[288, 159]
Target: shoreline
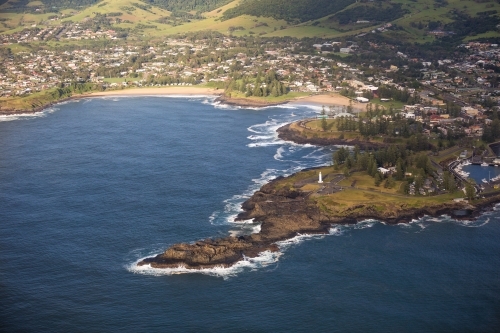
[134, 92]
[324, 99]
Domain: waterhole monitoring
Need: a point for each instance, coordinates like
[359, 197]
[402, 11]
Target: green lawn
[396, 105]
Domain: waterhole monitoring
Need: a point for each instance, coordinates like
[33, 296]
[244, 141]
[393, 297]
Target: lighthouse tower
[320, 181]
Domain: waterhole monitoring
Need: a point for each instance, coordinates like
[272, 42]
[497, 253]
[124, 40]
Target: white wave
[316, 108]
[279, 154]
[336, 231]
[286, 106]
[473, 223]
[28, 116]
[364, 224]
[279, 106]
[213, 217]
[223, 106]
[260, 137]
[246, 228]
[264, 259]
[300, 238]
[265, 144]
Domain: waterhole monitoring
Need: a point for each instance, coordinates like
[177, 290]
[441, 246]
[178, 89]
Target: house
[470, 111]
[344, 115]
[383, 171]
[362, 99]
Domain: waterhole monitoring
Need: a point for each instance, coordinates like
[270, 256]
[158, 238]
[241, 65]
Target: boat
[484, 180]
[484, 164]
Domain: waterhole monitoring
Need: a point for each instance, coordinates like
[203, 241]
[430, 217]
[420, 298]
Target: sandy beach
[328, 99]
[188, 91]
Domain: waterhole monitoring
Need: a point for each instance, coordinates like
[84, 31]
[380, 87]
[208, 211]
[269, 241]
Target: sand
[188, 91]
[333, 99]
[327, 100]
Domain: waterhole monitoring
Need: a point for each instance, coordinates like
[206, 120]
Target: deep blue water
[88, 189]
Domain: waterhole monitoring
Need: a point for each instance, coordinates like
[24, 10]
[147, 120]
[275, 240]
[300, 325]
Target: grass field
[352, 200]
[367, 182]
[364, 196]
[396, 105]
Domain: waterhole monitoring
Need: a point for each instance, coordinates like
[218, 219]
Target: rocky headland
[286, 212]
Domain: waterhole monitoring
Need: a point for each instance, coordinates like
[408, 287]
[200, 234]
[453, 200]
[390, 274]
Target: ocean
[90, 187]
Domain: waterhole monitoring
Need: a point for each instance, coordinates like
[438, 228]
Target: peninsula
[296, 205]
[392, 183]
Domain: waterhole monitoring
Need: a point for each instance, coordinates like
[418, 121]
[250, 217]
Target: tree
[378, 179]
[400, 173]
[372, 166]
[346, 172]
[470, 191]
[324, 124]
[340, 156]
[389, 183]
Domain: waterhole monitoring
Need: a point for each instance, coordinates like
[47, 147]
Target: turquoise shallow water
[89, 188]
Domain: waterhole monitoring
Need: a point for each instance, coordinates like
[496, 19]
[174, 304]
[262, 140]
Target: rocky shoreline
[289, 134]
[285, 213]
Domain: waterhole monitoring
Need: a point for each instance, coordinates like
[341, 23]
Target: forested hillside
[188, 5]
[374, 12]
[289, 10]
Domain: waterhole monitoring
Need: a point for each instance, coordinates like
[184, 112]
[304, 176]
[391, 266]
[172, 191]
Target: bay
[90, 187]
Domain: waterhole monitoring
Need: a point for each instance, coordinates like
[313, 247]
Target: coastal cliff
[286, 212]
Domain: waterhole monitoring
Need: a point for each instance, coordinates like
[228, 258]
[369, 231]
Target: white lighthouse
[320, 181]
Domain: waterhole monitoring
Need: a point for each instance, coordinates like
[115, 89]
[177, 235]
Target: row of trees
[63, 91]
[269, 85]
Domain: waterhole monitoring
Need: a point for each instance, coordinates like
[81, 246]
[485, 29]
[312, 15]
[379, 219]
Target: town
[438, 92]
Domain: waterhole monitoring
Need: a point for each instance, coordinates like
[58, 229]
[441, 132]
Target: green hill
[414, 21]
